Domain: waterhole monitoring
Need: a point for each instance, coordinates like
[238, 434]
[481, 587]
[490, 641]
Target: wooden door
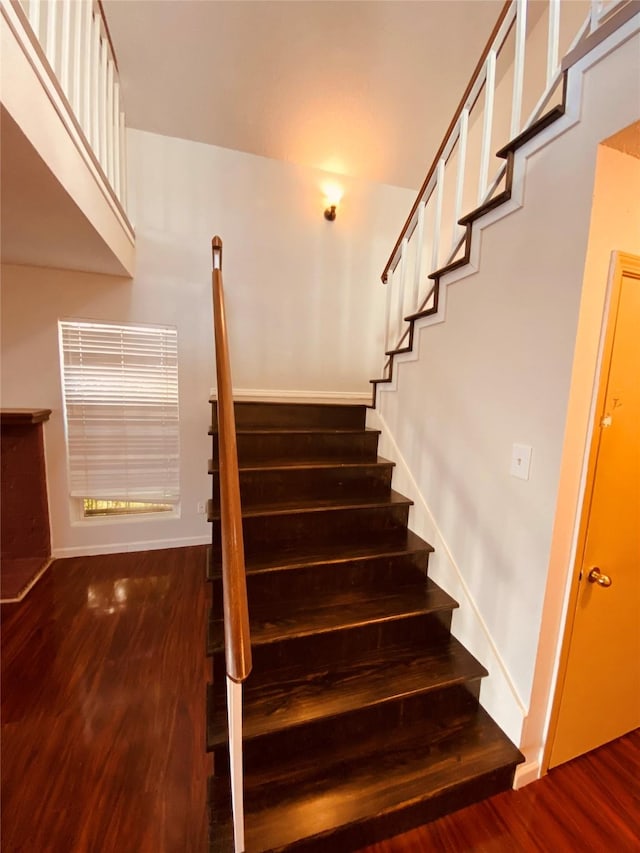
[600, 697]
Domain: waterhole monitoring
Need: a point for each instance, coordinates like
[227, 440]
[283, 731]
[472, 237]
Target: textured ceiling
[359, 88]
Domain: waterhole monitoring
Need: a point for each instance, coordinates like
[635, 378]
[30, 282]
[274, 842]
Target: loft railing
[75, 44]
[517, 75]
[237, 639]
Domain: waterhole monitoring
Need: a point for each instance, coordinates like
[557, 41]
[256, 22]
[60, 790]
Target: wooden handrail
[452, 124]
[237, 639]
[108, 34]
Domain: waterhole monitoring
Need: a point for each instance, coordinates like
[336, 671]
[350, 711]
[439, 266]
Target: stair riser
[295, 416]
[267, 534]
[441, 711]
[337, 645]
[374, 573]
[291, 447]
[291, 484]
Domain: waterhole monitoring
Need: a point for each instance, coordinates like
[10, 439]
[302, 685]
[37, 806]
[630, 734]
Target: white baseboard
[126, 547]
[525, 774]
[276, 395]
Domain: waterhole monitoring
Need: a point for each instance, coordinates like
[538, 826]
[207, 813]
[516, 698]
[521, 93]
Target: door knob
[596, 576]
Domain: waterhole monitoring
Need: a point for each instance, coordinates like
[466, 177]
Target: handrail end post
[216, 252]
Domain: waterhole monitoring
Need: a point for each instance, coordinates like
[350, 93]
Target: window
[120, 388]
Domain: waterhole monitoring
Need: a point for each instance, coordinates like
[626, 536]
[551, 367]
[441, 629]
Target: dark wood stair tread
[332, 612]
[330, 554]
[301, 431]
[316, 795]
[278, 699]
[310, 465]
[267, 413]
[310, 506]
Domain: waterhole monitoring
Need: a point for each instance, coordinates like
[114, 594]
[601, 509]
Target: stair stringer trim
[499, 694]
[520, 153]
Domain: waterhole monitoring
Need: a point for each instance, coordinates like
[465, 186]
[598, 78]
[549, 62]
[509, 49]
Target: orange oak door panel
[601, 691]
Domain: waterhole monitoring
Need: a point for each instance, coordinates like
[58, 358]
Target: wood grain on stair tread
[305, 445]
[309, 481]
[314, 506]
[337, 612]
[329, 554]
[254, 413]
[267, 465]
[309, 798]
[271, 532]
[298, 694]
[293, 431]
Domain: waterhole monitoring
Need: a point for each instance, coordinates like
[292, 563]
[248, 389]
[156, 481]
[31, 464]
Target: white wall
[304, 298]
[498, 371]
[303, 303]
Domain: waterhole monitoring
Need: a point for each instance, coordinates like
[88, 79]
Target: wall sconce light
[332, 194]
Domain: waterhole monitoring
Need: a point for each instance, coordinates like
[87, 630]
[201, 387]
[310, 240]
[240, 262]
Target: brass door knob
[596, 576]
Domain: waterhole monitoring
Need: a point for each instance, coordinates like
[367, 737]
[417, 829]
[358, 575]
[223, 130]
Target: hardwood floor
[103, 730]
[103, 674]
[589, 804]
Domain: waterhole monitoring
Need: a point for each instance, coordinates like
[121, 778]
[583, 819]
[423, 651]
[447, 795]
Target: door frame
[623, 264]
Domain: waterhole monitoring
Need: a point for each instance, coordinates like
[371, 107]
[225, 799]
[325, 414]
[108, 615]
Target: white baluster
[463, 130]
[34, 16]
[86, 68]
[116, 138]
[387, 311]
[234, 712]
[76, 64]
[596, 10]
[65, 43]
[102, 110]
[553, 39]
[402, 278]
[123, 162]
[95, 85]
[518, 67]
[419, 238]
[437, 220]
[487, 124]
[110, 140]
[50, 45]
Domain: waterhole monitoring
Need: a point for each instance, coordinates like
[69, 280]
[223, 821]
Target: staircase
[361, 714]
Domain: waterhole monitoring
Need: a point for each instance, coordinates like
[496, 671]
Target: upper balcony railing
[75, 41]
[514, 84]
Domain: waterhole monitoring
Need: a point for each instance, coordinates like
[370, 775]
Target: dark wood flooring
[589, 805]
[103, 674]
[103, 730]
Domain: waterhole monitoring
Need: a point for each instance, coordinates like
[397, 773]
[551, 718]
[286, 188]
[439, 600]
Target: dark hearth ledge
[11, 417]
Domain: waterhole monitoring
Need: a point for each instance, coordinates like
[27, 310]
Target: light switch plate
[521, 461]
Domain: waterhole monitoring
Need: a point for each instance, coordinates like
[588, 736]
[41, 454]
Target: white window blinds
[120, 386]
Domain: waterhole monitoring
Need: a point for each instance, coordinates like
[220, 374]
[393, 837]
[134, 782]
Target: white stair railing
[518, 73]
[74, 38]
